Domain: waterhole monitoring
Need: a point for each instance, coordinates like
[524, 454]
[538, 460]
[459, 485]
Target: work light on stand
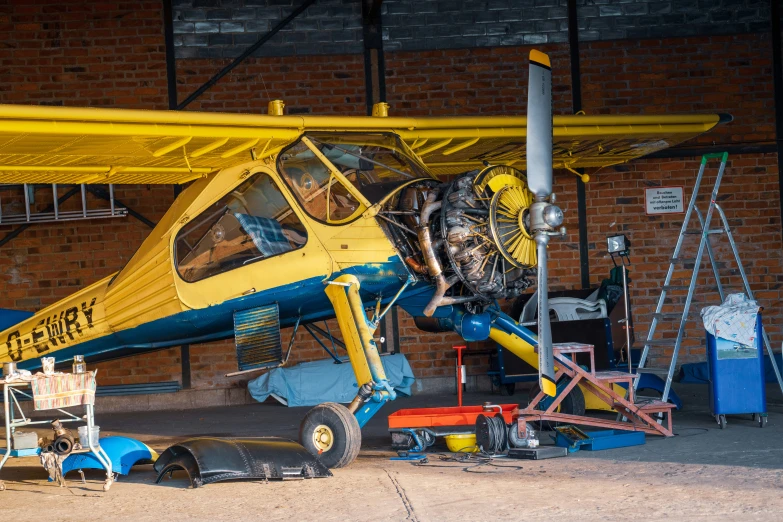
[620, 246]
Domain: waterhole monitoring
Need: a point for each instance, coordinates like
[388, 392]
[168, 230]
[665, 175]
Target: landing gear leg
[331, 431]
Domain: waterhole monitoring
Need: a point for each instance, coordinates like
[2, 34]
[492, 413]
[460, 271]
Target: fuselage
[158, 299]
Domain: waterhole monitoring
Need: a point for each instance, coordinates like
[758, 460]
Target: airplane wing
[64, 145]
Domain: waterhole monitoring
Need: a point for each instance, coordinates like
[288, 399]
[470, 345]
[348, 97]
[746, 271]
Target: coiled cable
[491, 434]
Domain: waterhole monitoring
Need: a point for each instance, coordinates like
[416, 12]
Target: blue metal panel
[124, 453]
[138, 389]
[610, 439]
[257, 334]
[506, 378]
[8, 318]
[575, 439]
[737, 383]
[22, 452]
[367, 410]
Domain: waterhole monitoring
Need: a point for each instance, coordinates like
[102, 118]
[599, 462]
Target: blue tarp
[311, 383]
[697, 373]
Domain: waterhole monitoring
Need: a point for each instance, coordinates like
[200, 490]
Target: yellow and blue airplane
[287, 220]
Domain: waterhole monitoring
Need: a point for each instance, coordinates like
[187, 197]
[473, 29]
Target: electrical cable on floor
[700, 431]
[475, 460]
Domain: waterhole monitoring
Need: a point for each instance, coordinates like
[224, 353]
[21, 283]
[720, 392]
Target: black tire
[762, 421]
[573, 403]
[576, 398]
[722, 421]
[331, 432]
[508, 389]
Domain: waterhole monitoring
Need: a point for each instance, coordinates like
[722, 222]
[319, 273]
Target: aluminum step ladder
[704, 244]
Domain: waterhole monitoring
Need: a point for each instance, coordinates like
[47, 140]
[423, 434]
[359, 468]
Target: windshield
[375, 164]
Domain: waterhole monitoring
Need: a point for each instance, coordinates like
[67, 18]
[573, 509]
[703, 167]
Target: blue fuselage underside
[305, 299]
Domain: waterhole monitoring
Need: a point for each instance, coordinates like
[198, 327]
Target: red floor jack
[430, 423]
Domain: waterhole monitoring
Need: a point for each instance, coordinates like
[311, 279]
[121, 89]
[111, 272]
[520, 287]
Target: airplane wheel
[331, 432]
[572, 404]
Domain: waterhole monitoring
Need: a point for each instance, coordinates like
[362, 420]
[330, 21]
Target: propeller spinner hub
[545, 218]
[553, 216]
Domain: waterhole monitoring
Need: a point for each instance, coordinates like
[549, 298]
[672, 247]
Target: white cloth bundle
[734, 320]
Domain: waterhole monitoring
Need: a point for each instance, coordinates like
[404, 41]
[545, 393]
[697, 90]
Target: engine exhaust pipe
[433, 264]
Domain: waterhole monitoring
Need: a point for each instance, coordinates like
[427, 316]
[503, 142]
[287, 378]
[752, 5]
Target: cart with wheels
[14, 417]
[736, 378]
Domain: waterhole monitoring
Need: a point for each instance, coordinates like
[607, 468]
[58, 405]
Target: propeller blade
[539, 179]
[546, 357]
[539, 125]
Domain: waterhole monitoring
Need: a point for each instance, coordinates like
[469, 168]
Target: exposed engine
[470, 237]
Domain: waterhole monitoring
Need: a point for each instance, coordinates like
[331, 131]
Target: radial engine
[471, 237]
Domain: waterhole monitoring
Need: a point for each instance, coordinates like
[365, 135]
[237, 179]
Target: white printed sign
[664, 200]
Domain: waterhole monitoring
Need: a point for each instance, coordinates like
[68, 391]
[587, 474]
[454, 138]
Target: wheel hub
[323, 438]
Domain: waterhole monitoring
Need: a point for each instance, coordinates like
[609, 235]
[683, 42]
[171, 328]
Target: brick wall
[469, 81]
[723, 73]
[308, 84]
[223, 28]
[98, 54]
[83, 53]
[750, 198]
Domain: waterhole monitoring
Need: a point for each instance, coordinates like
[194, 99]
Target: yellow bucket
[462, 443]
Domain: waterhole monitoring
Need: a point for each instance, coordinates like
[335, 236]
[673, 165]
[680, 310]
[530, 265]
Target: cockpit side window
[252, 222]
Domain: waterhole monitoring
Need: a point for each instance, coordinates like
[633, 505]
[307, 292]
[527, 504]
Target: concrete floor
[702, 473]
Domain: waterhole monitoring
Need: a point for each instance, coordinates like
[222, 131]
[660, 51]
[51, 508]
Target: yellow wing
[85, 145]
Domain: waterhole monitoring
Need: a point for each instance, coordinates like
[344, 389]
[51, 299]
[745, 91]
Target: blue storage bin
[736, 375]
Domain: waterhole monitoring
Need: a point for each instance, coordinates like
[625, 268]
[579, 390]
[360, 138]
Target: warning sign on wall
[664, 200]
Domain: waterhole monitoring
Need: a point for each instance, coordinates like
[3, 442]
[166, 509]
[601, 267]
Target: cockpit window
[253, 222]
[321, 194]
[375, 164]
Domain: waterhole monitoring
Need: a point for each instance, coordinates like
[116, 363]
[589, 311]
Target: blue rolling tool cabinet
[737, 378]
